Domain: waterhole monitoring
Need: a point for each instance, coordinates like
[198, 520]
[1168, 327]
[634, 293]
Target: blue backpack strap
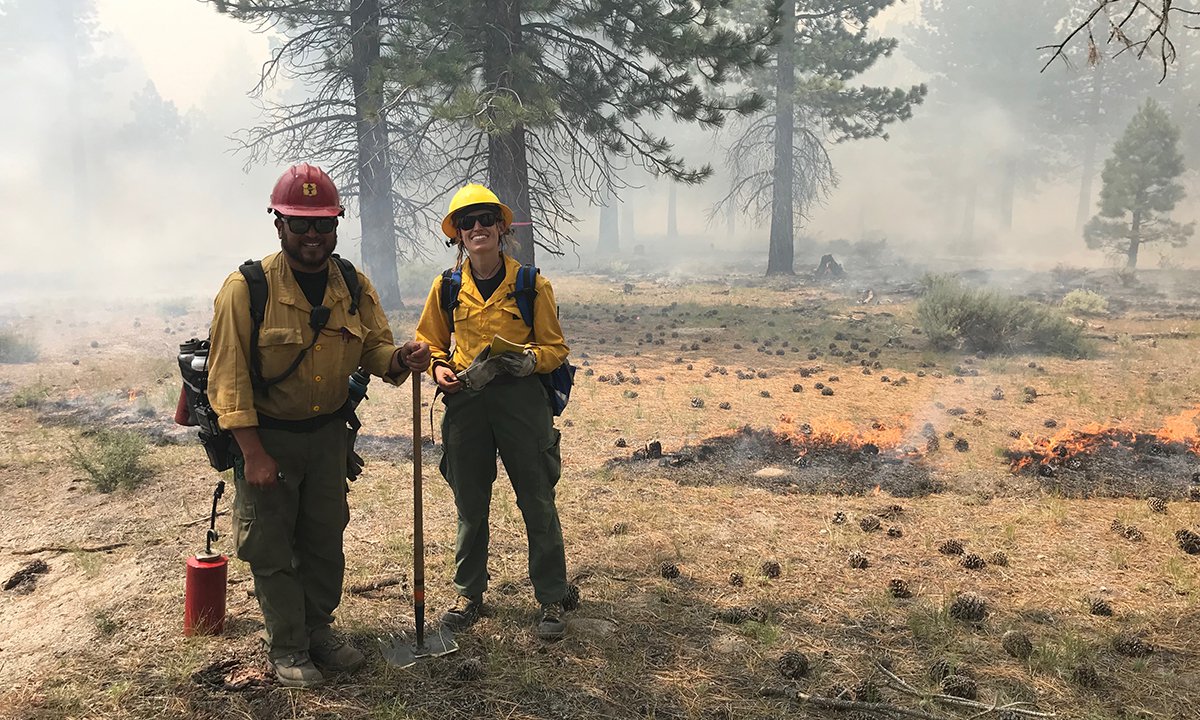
[451, 284]
[526, 292]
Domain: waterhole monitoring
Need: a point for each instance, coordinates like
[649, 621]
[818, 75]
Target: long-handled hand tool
[399, 649]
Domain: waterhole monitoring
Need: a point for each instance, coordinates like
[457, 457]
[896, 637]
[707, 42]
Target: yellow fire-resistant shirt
[320, 384]
[477, 321]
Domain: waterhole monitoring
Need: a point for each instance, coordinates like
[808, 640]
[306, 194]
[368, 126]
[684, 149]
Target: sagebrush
[16, 349]
[1085, 302]
[112, 459]
[952, 314]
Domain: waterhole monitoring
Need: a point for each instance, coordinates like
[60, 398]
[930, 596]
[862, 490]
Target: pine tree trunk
[780, 258]
[1083, 209]
[610, 238]
[1091, 139]
[627, 225]
[1135, 240]
[508, 165]
[374, 163]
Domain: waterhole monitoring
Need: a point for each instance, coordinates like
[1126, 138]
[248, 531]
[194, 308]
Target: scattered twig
[77, 548]
[984, 708]
[364, 588]
[834, 704]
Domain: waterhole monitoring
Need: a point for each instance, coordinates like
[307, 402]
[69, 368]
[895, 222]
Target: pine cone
[792, 665]
[1085, 675]
[669, 570]
[1132, 533]
[1017, 644]
[998, 558]
[894, 532]
[869, 523]
[469, 670]
[969, 607]
[960, 686]
[733, 615]
[1097, 606]
[736, 579]
[1131, 646]
[971, 561]
[858, 560]
[899, 589]
[1156, 504]
[839, 518]
[1188, 541]
[1117, 526]
[570, 601]
[951, 547]
[771, 569]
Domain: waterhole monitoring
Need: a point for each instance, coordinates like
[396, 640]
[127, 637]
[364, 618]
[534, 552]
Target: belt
[297, 426]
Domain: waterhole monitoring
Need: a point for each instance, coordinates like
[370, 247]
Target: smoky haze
[124, 184]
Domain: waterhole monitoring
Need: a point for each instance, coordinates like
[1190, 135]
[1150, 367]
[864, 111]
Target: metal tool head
[402, 650]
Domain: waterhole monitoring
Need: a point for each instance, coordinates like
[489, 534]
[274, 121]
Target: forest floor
[757, 467]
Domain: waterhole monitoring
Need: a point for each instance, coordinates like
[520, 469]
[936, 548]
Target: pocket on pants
[552, 457]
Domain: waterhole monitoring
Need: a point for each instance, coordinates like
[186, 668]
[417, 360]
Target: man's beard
[296, 253]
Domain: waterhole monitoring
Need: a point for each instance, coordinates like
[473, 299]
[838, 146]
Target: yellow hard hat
[468, 195]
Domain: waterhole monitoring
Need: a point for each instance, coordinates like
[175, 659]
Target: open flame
[841, 437]
[1069, 447]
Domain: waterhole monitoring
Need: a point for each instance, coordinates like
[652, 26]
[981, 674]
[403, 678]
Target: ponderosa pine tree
[360, 111]
[1140, 189]
[559, 91]
[779, 161]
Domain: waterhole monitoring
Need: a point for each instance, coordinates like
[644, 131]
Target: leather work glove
[483, 368]
[519, 365]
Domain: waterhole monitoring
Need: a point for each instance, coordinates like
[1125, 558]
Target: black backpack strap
[350, 276]
[526, 291]
[256, 283]
[451, 284]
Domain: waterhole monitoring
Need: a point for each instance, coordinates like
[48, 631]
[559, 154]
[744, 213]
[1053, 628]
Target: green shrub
[16, 349]
[31, 396]
[951, 314]
[1085, 302]
[112, 459]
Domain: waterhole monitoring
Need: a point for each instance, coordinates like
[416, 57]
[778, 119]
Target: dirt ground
[722, 373]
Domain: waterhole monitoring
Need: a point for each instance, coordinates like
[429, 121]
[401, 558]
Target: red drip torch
[204, 590]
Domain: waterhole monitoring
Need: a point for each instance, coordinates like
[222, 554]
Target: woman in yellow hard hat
[494, 401]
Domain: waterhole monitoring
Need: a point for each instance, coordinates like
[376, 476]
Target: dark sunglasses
[301, 225]
[467, 222]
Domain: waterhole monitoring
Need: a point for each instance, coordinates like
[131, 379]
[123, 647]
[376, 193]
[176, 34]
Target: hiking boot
[297, 671]
[333, 652]
[550, 625]
[464, 614]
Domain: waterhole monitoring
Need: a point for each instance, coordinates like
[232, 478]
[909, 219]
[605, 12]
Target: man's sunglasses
[301, 225]
[467, 222]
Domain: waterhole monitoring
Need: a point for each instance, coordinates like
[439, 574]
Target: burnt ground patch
[786, 464]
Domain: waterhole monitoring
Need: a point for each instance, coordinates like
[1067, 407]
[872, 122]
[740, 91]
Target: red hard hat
[307, 191]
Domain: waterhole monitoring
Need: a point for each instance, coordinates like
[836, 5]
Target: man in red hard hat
[279, 381]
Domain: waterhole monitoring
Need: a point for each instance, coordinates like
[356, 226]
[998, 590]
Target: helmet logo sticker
[309, 189]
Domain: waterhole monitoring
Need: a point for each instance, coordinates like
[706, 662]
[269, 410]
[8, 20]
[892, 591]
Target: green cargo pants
[291, 533]
[514, 418]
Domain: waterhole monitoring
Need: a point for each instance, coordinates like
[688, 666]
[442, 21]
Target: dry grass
[641, 646]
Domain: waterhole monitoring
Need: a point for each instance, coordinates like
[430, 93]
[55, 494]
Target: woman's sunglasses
[301, 225]
[467, 222]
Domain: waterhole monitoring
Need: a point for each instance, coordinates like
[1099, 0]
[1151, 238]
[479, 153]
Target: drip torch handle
[211, 536]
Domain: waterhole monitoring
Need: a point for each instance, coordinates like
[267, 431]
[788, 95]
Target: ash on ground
[1113, 463]
[784, 464]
